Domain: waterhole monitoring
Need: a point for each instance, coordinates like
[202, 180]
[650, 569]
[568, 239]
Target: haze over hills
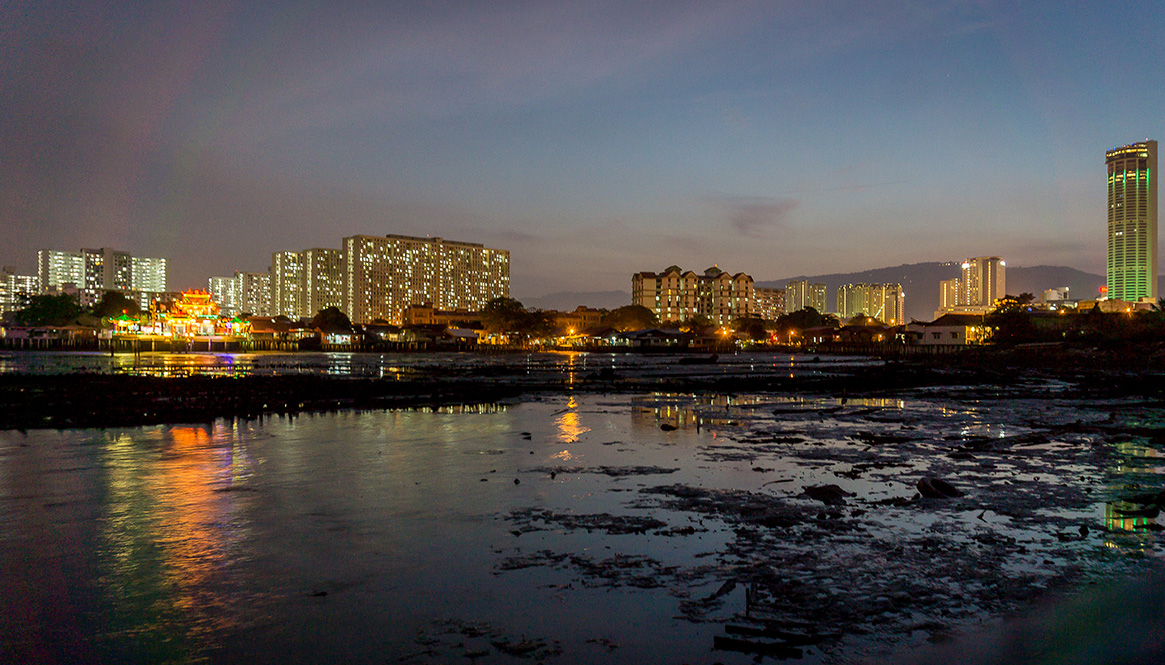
[565, 301]
[919, 282]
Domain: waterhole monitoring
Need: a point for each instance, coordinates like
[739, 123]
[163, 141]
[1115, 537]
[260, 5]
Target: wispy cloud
[752, 216]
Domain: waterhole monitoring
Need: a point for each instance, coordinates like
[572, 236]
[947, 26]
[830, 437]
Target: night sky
[591, 139]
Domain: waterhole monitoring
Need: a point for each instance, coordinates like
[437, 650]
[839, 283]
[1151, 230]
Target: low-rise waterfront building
[951, 329]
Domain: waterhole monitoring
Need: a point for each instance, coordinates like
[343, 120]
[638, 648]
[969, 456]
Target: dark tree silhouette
[58, 310]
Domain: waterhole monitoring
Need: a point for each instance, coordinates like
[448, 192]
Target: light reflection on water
[355, 533]
[570, 366]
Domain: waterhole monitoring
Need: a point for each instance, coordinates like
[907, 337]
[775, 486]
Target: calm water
[403, 537]
[409, 365]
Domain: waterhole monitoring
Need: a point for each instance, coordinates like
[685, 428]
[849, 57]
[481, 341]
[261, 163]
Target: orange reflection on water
[568, 423]
[172, 526]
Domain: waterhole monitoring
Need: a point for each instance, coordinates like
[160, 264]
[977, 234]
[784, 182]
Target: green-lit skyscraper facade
[1132, 221]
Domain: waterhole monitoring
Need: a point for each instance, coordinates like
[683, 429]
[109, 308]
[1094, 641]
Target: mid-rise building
[800, 294]
[676, 295]
[768, 303]
[1132, 221]
[383, 275]
[884, 302]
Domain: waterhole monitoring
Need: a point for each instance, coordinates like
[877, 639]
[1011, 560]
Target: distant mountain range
[919, 281]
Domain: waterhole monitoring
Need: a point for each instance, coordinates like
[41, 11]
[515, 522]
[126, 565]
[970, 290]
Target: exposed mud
[944, 511]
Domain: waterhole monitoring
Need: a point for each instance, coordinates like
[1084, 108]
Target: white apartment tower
[15, 289]
[224, 291]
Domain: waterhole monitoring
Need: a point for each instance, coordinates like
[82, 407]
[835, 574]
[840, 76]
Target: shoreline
[100, 400]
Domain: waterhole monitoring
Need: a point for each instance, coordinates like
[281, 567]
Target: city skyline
[785, 138]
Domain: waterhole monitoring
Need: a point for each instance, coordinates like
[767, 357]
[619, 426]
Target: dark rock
[830, 495]
[937, 488]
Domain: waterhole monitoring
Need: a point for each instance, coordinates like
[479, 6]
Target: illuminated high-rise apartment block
[91, 272]
[16, 289]
[676, 295]
[769, 303]
[800, 294]
[1132, 221]
[384, 275]
[287, 285]
[884, 302]
[303, 283]
[148, 275]
[58, 270]
[984, 281]
[948, 294]
[224, 291]
[323, 279]
[253, 293]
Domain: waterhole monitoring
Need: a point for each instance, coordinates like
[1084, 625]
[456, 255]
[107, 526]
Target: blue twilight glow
[590, 139]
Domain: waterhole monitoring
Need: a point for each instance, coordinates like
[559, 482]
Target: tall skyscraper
[1132, 221]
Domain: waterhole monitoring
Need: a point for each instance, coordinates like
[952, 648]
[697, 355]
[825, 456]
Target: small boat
[699, 360]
